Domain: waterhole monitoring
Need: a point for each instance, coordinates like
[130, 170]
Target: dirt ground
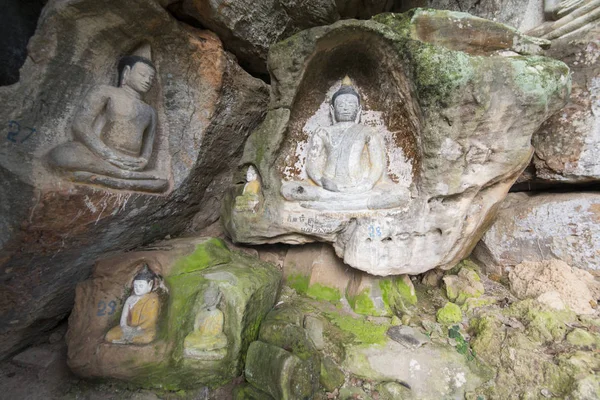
[55, 381]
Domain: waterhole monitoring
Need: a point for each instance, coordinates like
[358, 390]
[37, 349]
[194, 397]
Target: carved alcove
[386, 94]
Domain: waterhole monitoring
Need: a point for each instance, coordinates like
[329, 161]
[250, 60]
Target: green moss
[332, 377]
[362, 303]
[543, 324]
[298, 282]
[449, 314]
[363, 331]
[321, 292]
[539, 78]
[581, 338]
[406, 291]
[212, 252]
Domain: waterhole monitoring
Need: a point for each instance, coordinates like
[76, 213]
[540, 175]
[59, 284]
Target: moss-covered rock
[278, 372]
[189, 266]
[246, 391]
[582, 338]
[466, 284]
[542, 323]
[449, 314]
[332, 376]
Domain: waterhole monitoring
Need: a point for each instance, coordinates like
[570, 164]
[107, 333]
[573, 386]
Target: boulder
[186, 269]
[248, 28]
[465, 285]
[522, 14]
[431, 372]
[566, 145]
[437, 166]
[536, 279]
[52, 228]
[534, 228]
[277, 372]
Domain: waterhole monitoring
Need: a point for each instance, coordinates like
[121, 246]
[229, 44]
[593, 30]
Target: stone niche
[62, 208]
[190, 346]
[453, 99]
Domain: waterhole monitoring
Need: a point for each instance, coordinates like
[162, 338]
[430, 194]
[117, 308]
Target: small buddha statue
[346, 162]
[207, 341]
[251, 195]
[140, 312]
[114, 132]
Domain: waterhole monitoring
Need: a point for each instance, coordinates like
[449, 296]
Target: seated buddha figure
[114, 132]
[346, 162]
[140, 312]
[251, 195]
[207, 341]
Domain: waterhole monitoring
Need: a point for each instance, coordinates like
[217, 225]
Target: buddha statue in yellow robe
[207, 341]
[251, 195]
[140, 313]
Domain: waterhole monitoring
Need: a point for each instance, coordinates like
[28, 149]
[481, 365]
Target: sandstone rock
[189, 267]
[530, 280]
[463, 286]
[429, 219]
[522, 14]
[249, 28]
[432, 278]
[277, 372]
[38, 357]
[449, 314]
[379, 296]
[314, 269]
[566, 145]
[332, 377]
[540, 227]
[53, 229]
[418, 368]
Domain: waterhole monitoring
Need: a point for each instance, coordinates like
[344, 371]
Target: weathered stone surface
[38, 357]
[447, 168]
[52, 229]
[566, 145]
[316, 270]
[248, 28]
[547, 226]
[278, 372]
[466, 284]
[530, 279]
[432, 371]
[189, 268]
[522, 14]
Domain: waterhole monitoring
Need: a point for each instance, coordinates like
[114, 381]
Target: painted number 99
[106, 309]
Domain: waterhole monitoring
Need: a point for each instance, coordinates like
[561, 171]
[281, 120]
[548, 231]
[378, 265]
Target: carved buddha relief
[114, 132]
[346, 162]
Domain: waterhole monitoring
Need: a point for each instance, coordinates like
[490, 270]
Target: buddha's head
[345, 103]
[143, 281]
[251, 174]
[212, 296]
[137, 73]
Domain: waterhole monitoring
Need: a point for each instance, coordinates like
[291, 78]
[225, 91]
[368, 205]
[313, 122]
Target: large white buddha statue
[346, 162]
[114, 132]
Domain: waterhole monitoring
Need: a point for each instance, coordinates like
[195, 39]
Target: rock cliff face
[52, 229]
[456, 115]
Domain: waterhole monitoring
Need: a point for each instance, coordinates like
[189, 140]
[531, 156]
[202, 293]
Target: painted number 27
[102, 308]
[17, 133]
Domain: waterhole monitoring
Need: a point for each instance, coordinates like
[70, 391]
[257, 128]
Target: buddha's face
[139, 77]
[251, 174]
[346, 108]
[141, 287]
